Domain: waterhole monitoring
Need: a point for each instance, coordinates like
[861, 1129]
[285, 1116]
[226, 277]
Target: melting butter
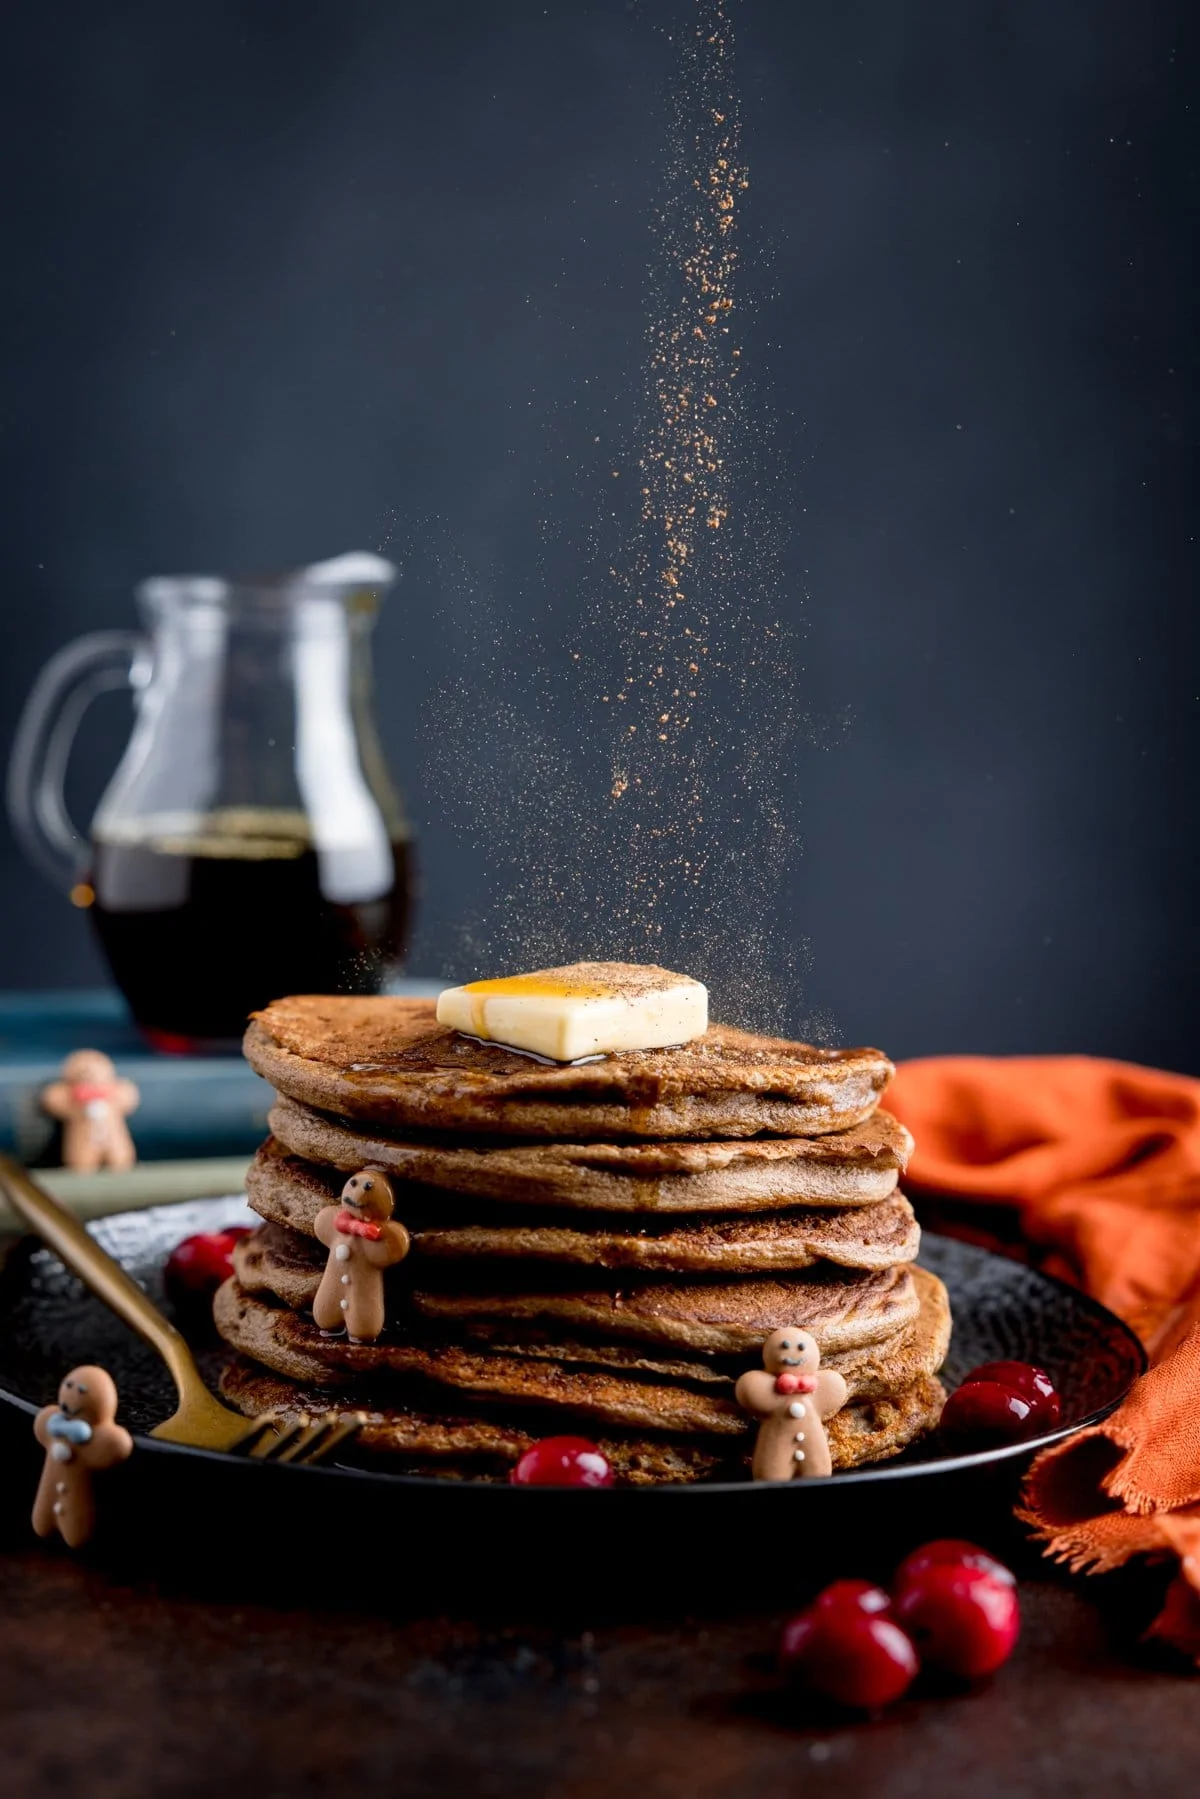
[583, 1010]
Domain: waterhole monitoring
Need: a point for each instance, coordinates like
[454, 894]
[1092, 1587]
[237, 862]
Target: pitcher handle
[62, 693]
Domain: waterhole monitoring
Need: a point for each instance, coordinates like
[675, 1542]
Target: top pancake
[388, 1062]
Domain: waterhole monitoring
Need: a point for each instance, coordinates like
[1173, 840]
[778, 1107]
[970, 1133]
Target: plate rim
[889, 1471]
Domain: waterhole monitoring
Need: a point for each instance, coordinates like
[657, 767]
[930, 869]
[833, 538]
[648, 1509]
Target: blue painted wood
[191, 1105]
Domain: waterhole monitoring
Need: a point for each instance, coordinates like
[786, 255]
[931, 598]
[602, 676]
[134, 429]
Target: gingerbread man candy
[81, 1437]
[363, 1240]
[93, 1103]
[793, 1400]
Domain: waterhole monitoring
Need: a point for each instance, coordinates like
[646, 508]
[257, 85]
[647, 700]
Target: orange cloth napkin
[1101, 1161]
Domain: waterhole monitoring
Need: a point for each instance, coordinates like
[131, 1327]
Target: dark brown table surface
[114, 1689]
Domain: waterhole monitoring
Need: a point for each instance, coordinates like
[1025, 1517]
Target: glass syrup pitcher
[251, 843]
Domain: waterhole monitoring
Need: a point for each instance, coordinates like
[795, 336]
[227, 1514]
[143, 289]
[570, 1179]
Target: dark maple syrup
[201, 930]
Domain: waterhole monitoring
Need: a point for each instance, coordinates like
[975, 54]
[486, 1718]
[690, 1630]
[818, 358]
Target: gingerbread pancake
[490, 1375]
[415, 1441]
[388, 1062]
[282, 1266]
[288, 1191]
[859, 1166]
[291, 1345]
[841, 1309]
[873, 1371]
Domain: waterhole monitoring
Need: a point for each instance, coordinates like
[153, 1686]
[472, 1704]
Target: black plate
[490, 1533]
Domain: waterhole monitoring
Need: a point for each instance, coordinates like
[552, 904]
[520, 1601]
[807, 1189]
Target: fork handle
[66, 1236]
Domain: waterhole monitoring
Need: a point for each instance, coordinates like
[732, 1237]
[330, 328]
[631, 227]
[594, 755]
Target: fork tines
[299, 1438]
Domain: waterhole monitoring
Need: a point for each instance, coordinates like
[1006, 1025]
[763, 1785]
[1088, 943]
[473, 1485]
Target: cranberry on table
[562, 1462]
[200, 1264]
[848, 1649]
[963, 1620]
[955, 1550]
[1033, 1384]
[840, 1599]
[843, 1596]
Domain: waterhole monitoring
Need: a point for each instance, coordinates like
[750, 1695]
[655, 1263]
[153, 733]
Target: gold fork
[200, 1421]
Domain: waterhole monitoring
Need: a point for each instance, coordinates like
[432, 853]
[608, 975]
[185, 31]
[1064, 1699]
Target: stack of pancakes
[597, 1249]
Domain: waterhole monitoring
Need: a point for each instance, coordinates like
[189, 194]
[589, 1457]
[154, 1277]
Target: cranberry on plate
[562, 1462]
[847, 1647]
[1033, 1384]
[999, 1403]
[200, 1264]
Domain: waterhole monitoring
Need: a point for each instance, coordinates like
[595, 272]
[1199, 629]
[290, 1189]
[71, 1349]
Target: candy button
[345, 1304]
[57, 1507]
[799, 1436]
[799, 1455]
[60, 1486]
[342, 1252]
[61, 1451]
[795, 1410]
[345, 1280]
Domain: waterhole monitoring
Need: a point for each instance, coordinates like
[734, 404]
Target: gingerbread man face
[88, 1068]
[88, 1393]
[791, 1351]
[369, 1195]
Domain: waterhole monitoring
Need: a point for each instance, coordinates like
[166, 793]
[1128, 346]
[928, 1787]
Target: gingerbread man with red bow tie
[92, 1102]
[362, 1239]
[793, 1396]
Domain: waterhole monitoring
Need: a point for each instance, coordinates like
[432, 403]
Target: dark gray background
[281, 280]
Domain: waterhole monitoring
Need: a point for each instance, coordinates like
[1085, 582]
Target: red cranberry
[1033, 1384]
[981, 1414]
[562, 1462]
[842, 1596]
[962, 1620]
[201, 1263]
[846, 1649]
[954, 1551]
[842, 1599]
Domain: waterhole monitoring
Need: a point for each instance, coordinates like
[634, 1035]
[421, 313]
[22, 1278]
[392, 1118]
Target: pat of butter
[586, 1009]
